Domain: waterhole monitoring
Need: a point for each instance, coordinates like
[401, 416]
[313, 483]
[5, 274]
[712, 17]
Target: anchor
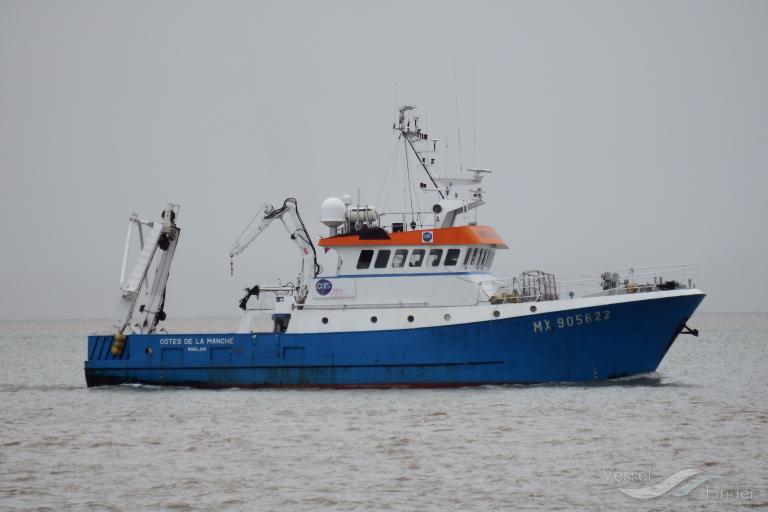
[688, 330]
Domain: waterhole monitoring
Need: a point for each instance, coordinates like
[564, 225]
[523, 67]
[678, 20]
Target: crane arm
[289, 215]
[266, 215]
[142, 297]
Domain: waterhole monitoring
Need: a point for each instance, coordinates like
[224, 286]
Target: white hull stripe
[419, 274]
[359, 320]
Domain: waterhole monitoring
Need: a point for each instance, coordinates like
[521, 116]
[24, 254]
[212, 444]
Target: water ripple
[542, 447]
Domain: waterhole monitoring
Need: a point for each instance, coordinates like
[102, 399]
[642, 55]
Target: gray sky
[619, 133]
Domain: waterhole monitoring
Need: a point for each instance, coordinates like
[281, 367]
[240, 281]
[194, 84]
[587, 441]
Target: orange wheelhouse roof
[460, 235]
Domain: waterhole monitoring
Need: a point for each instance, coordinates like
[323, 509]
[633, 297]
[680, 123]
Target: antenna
[458, 123]
[474, 114]
[394, 107]
[445, 160]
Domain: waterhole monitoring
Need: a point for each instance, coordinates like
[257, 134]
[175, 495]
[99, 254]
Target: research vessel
[409, 300]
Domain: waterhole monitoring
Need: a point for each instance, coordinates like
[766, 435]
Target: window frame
[492, 254]
[361, 261]
[481, 260]
[438, 251]
[404, 253]
[419, 252]
[377, 260]
[455, 260]
[473, 258]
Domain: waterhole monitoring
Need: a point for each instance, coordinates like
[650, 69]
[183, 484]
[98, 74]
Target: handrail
[367, 306]
[632, 271]
[510, 289]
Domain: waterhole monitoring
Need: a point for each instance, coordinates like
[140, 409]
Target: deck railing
[535, 286]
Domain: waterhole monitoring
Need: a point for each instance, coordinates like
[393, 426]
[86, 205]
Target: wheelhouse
[405, 259]
[459, 250]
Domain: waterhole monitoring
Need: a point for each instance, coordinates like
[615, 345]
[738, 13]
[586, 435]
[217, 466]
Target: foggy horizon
[619, 135]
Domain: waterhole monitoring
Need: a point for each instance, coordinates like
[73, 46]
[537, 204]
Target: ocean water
[543, 447]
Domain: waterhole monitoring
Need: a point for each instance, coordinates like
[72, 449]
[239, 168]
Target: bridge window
[398, 260]
[382, 258]
[365, 259]
[467, 255]
[491, 254]
[472, 258]
[451, 257]
[482, 258]
[434, 257]
[417, 257]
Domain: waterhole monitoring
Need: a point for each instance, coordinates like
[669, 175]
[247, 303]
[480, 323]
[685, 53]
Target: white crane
[288, 214]
[145, 285]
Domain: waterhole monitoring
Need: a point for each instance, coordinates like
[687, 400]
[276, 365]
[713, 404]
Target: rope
[410, 185]
[390, 169]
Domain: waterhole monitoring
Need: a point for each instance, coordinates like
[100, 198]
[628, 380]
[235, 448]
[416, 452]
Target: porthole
[325, 320]
[374, 319]
[533, 309]
[496, 314]
[410, 318]
[149, 351]
[447, 317]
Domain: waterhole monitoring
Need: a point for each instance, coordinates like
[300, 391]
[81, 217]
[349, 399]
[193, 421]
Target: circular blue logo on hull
[323, 287]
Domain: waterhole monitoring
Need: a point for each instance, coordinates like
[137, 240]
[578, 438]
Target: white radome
[333, 212]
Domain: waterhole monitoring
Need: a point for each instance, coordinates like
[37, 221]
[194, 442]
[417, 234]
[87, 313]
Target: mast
[416, 135]
[450, 205]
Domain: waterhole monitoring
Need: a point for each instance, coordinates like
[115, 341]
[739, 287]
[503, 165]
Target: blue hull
[618, 340]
